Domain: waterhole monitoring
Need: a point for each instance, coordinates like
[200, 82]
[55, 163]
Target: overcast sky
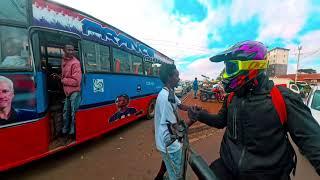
[190, 31]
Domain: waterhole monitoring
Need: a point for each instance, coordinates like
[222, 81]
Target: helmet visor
[233, 67]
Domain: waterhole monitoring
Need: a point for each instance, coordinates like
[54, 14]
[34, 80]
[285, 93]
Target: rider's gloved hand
[194, 112]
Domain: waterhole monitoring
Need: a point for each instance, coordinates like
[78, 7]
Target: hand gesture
[55, 76]
[194, 112]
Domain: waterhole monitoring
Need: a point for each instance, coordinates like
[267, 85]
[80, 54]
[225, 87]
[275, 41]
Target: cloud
[151, 22]
[292, 68]
[201, 67]
[310, 53]
[278, 19]
[276, 23]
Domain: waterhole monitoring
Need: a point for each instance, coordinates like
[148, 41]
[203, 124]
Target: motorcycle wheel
[203, 97]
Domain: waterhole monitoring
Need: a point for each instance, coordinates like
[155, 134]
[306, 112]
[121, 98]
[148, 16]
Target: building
[309, 78]
[278, 61]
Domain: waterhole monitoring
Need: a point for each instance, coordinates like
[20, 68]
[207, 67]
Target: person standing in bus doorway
[195, 88]
[71, 81]
[7, 113]
[170, 149]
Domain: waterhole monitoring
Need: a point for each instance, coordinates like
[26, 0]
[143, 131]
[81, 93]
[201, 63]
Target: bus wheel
[150, 112]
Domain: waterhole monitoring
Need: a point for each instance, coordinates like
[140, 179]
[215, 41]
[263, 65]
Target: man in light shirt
[164, 117]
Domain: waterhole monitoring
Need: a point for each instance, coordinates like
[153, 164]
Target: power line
[174, 42]
[309, 53]
[178, 45]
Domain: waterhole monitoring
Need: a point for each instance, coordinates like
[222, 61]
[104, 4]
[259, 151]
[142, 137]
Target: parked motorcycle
[214, 94]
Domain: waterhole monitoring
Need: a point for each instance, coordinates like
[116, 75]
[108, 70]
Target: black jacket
[255, 141]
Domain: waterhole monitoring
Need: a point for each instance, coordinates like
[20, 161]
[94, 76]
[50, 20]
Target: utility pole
[299, 48]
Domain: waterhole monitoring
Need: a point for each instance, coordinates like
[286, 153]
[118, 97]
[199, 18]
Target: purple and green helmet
[244, 61]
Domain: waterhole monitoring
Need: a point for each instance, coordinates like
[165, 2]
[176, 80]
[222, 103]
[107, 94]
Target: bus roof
[54, 15]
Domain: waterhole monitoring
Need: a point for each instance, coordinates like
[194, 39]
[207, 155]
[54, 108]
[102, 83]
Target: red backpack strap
[279, 104]
[230, 98]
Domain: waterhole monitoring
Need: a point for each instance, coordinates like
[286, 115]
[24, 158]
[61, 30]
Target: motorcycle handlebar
[200, 167]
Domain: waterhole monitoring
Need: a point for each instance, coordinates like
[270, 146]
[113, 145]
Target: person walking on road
[257, 116]
[165, 119]
[195, 88]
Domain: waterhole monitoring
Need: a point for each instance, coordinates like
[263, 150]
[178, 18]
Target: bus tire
[151, 109]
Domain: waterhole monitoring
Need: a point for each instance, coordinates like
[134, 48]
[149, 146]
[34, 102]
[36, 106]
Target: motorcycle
[215, 94]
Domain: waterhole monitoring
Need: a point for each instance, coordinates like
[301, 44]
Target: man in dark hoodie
[255, 144]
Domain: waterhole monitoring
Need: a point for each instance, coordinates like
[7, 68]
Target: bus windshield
[14, 10]
[14, 52]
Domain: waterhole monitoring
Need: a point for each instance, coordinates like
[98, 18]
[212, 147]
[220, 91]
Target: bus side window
[156, 69]
[90, 56]
[136, 64]
[125, 62]
[105, 58]
[136, 69]
[118, 65]
[96, 57]
[148, 68]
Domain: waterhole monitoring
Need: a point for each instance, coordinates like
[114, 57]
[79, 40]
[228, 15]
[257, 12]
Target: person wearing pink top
[71, 81]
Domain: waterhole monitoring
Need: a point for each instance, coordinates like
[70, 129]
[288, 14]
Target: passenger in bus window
[13, 48]
[71, 81]
[8, 114]
[124, 111]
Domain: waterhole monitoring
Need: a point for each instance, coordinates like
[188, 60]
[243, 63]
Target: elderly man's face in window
[13, 47]
[6, 95]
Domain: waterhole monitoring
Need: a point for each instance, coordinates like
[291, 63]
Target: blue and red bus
[113, 64]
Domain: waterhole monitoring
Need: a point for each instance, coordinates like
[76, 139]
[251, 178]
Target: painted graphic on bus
[54, 16]
[124, 111]
[17, 99]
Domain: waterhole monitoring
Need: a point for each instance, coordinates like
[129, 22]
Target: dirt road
[128, 153]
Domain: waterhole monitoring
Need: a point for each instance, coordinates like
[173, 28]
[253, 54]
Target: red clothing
[71, 75]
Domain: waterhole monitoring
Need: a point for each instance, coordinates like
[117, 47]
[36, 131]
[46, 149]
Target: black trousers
[223, 173]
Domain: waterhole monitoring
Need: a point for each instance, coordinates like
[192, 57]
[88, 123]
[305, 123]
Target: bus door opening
[51, 55]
